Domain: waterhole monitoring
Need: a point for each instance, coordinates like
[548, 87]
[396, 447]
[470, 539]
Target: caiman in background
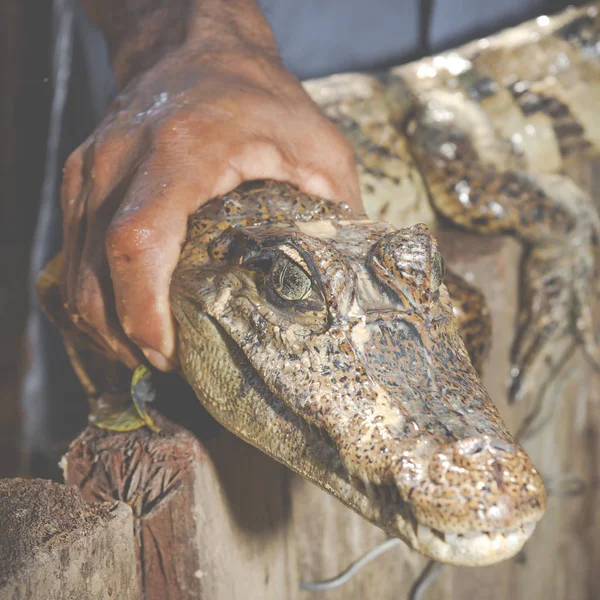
[332, 341]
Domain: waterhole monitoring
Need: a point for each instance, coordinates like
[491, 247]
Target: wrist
[195, 30]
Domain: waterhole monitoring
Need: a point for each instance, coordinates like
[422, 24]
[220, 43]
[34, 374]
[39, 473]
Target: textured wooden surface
[56, 546]
[562, 560]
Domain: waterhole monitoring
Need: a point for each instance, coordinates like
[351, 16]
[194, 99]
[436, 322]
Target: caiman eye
[437, 271]
[290, 281]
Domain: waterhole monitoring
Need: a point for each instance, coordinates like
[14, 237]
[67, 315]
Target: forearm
[140, 32]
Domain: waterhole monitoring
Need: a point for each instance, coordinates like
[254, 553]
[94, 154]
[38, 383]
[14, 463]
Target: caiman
[329, 340]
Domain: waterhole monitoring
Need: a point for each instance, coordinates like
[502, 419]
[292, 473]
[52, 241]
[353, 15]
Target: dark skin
[205, 104]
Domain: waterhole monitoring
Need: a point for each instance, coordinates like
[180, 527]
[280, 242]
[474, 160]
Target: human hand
[188, 129]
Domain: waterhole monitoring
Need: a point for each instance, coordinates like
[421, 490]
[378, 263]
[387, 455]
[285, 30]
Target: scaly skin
[364, 386]
[483, 132]
[328, 340]
[491, 126]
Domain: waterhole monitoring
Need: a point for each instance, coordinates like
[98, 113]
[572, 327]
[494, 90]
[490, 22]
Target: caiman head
[328, 341]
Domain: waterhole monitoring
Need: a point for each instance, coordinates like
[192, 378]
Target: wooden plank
[240, 525]
[54, 545]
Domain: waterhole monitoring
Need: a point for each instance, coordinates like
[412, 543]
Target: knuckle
[102, 147]
[270, 152]
[345, 151]
[73, 164]
[343, 162]
[125, 240]
[338, 147]
[106, 152]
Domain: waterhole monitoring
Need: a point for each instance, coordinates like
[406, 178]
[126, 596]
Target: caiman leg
[117, 400]
[473, 318]
[553, 218]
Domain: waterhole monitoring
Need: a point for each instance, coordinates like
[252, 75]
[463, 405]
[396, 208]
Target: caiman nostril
[487, 484]
[477, 451]
[502, 445]
[471, 452]
[473, 447]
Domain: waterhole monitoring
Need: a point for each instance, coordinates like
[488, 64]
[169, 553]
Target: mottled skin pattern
[364, 385]
[483, 132]
[328, 340]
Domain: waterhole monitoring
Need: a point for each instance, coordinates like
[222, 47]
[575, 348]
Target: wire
[428, 575]
[355, 567]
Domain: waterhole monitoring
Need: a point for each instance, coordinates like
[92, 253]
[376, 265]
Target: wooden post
[54, 545]
[561, 559]
[216, 519]
[154, 474]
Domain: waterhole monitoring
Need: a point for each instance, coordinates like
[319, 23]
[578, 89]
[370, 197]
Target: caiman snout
[478, 497]
[481, 485]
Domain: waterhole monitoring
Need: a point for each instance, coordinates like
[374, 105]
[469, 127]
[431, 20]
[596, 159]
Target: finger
[330, 171]
[73, 200]
[333, 186]
[145, 238]
[143, 245]
[94, 297]
[90, 174]
[88, 285]
[96, 319]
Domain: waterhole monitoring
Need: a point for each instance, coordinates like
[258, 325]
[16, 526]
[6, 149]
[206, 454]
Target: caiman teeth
[468, 549]
[385, 495]
[476, 548]
[371, 492]
[425, 533]
[451, 538]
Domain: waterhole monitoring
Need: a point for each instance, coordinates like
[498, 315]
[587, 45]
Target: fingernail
[158, 360]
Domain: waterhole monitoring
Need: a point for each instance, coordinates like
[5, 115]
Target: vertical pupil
[290, 281]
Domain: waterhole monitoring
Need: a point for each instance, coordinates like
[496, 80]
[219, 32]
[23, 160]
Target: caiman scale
[328, 339]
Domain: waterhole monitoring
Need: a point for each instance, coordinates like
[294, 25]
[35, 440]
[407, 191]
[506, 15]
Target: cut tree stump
[56, 546]
[156, 475]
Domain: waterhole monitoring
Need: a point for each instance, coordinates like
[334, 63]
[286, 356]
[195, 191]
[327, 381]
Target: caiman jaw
[425, 505]
[465, 514]
[334, 350]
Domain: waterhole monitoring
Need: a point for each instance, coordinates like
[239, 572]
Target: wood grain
[55, 546]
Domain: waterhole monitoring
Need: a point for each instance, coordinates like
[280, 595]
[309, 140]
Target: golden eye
[437, 271]
[290, 281]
